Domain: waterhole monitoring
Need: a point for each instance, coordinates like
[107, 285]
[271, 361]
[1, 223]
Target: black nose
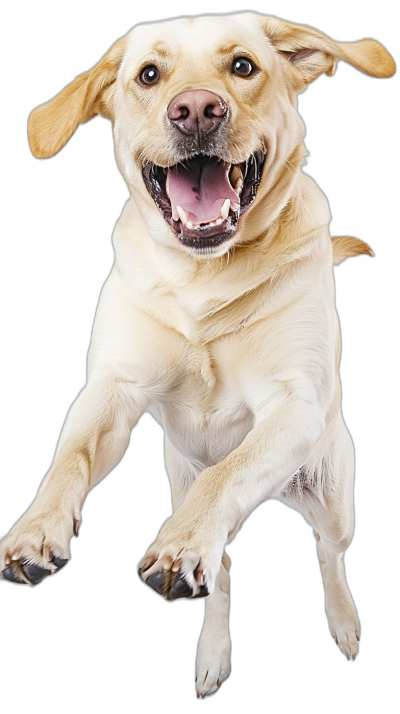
[197, 111]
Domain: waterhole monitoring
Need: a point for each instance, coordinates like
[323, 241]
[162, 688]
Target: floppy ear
[52, 124]
[310, 52]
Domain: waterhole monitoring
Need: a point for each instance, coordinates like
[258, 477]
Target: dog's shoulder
[308, 208]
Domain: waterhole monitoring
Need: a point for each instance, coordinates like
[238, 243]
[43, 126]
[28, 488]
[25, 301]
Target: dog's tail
[345, 247]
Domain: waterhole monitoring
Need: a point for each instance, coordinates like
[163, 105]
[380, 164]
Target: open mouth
[203, 198]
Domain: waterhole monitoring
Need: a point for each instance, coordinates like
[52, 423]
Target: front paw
[37, 546]
[181, 563]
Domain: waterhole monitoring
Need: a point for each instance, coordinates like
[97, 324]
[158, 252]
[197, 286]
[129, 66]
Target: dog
[218, 316]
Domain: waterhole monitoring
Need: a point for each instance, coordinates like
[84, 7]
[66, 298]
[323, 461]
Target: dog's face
[203, 110]
[205, 120]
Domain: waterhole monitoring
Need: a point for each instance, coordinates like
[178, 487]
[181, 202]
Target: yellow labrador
[218, 316]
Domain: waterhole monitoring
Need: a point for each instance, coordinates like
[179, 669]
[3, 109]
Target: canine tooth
[182, 215]
[225, 208]
[189, 224]
[235, 174]
[238, 187]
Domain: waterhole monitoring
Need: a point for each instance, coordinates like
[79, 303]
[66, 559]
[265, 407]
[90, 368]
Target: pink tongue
[200, 189]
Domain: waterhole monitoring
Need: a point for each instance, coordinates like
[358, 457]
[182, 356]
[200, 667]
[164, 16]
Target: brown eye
[149, 75]
[242, 67]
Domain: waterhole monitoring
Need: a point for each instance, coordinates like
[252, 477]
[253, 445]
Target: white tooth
[225, 209]
[189, 224]
[235, 174]
[182, 215]
[238, 186]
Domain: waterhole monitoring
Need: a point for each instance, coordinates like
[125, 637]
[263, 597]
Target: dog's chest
[203, 413]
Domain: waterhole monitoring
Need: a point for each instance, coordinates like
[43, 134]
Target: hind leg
[213, 660]
[333, 521]
[339, 605]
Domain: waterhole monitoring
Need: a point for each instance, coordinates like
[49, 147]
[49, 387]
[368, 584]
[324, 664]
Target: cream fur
[236, 352]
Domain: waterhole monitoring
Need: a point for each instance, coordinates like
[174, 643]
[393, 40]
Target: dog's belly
[204, 437]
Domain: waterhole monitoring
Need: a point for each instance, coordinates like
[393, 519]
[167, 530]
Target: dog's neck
[219, 295]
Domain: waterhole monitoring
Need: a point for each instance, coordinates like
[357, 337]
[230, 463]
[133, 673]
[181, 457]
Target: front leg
[94, 439]
[185, 558]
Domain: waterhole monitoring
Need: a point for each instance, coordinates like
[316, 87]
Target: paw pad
[172, 585]
[34, 573]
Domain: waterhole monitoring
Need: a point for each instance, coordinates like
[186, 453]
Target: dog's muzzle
[202, 196]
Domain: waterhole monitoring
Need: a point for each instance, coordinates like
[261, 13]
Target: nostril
[216, 110]
[178, 111]
[209, 111]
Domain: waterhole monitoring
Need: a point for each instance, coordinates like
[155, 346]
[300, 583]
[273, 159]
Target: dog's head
[205, 119]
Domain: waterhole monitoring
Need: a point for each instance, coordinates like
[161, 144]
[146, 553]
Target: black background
[95, 626]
